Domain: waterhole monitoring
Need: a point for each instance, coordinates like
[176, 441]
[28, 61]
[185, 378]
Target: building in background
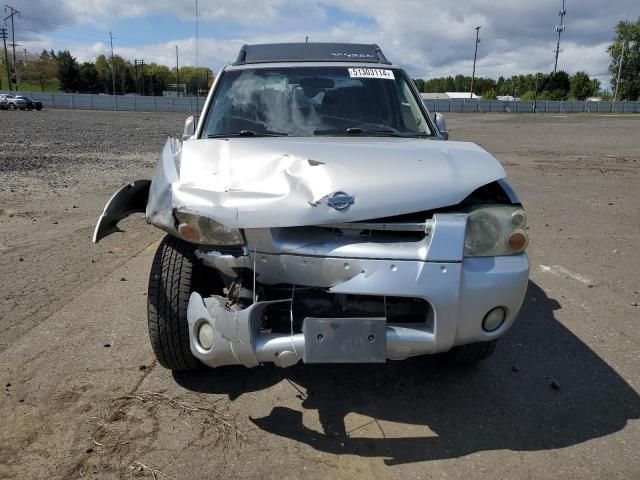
[447, 96]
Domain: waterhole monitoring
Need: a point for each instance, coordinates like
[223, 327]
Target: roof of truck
[311, 52]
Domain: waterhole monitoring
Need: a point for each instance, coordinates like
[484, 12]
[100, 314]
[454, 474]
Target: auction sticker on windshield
[371, 73]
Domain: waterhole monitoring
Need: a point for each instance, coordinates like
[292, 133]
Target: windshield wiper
[385, 132]
[247, 133]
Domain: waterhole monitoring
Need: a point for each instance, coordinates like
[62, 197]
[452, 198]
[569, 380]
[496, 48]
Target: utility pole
[535, 95]
[475, 55]
[139, 63]
[135, 71]
[12, 13]
[559, 29]
[113, 66]
[3, 35]
[615, 95]
[177, 74]
[197, 79]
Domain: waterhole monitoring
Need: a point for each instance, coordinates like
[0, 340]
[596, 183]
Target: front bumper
[460, 292]
[460, 295]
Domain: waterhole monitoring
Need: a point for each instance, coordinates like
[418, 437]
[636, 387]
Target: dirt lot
[83, 397]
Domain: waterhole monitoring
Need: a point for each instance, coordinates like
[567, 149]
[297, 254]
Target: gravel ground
[57, 171]
[83, 396]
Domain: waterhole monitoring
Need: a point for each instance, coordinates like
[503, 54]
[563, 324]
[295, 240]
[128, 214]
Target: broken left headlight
[206, 231]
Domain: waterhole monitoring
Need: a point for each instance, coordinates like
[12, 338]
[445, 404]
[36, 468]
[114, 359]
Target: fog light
[205, 336]
[494, 319]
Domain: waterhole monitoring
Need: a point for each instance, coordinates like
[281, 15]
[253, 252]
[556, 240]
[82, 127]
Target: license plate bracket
[345, 340]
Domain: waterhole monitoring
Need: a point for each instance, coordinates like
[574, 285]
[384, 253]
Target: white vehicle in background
[10, 102]
[316, 212]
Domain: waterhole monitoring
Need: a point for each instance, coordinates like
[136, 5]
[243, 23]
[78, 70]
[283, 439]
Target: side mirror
[189, 127]
[441, 123]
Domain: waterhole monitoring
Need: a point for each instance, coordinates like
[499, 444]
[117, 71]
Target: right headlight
[496, 230]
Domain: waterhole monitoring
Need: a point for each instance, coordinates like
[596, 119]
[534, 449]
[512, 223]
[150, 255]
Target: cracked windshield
[315, 101]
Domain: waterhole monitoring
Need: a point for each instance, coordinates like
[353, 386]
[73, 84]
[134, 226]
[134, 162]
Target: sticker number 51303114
[371, 73]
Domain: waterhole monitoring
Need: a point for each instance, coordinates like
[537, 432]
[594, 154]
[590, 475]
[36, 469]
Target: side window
[411, 113]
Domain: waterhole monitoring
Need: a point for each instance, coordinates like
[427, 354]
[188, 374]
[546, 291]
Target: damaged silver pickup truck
[316, 212]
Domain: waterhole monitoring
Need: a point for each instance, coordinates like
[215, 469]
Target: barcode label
[371, 73]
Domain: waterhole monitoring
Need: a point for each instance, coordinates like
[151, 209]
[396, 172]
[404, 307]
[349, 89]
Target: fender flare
[132, 198]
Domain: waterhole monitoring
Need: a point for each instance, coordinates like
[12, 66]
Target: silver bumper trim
[459, 293]
[238, 340]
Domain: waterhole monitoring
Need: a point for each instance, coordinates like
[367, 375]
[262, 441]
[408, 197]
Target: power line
[130, 51]
[80, 38]
[71, 37]
[559, 29]
[61, 33]
[31, 19]
[73, 33]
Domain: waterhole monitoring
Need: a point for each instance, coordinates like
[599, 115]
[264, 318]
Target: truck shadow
[543, 389]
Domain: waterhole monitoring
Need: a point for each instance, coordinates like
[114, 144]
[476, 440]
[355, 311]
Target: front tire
[12, 106]
[472, 352]
[171, 283]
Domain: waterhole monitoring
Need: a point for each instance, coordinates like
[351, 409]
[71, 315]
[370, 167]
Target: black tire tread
[473, 352]
[170, 285]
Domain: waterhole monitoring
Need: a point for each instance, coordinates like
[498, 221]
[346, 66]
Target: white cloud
[95, 13]
[430, 38]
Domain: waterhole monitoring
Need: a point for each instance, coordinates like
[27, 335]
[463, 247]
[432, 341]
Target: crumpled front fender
[151, 197]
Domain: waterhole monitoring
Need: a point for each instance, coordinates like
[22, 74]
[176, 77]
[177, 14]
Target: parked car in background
[31, 103]
[10, 102]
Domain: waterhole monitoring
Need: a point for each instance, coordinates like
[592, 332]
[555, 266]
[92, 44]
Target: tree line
[553, 86]
[627, 35]
[61, 71]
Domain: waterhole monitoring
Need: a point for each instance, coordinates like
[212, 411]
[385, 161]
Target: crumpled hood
[279, 182]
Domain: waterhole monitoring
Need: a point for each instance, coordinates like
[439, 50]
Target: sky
[428, 38]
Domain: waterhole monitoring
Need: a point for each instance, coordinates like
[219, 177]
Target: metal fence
[86, 101]
[192, 104]
[541, 106]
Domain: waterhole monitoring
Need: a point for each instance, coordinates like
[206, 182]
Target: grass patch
[52, 87]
